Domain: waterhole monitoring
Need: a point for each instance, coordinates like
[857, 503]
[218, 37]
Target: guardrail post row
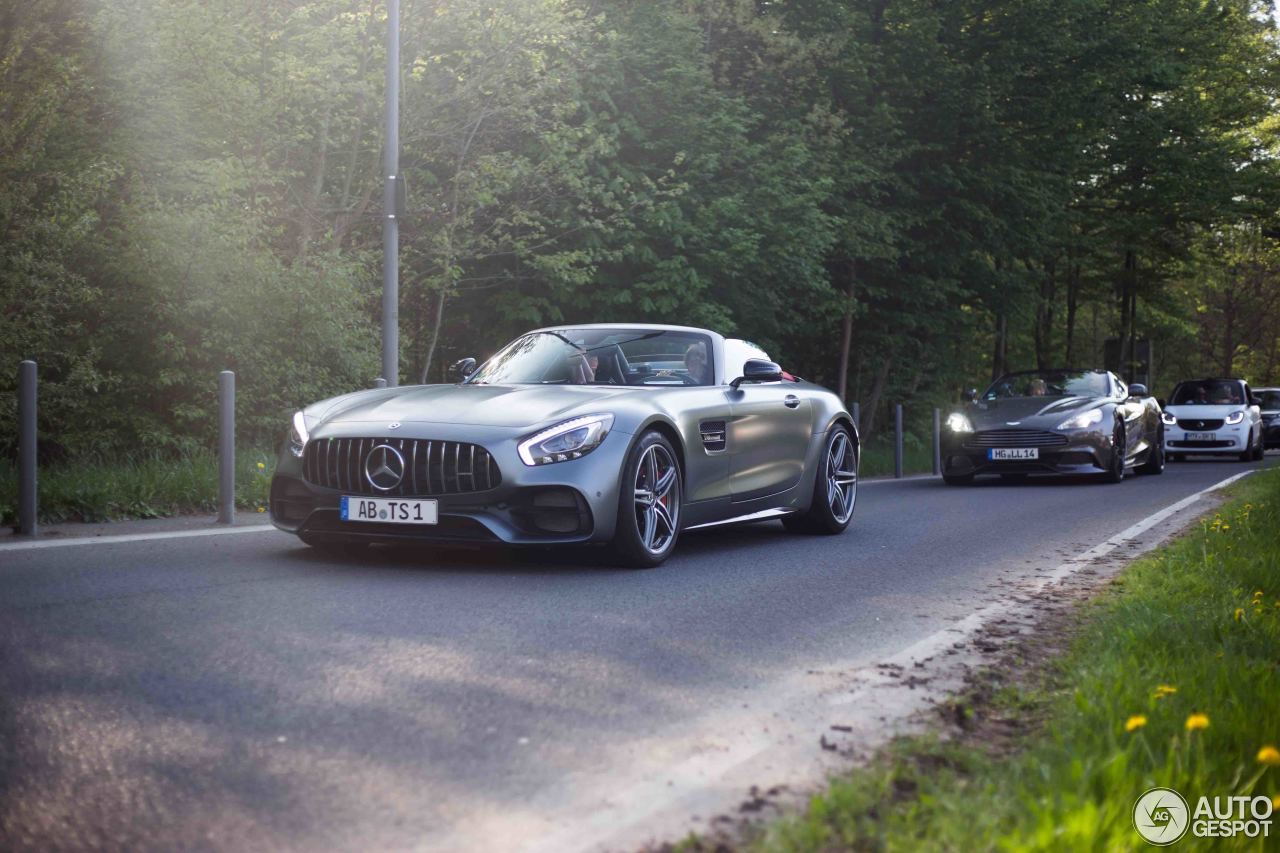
[937, 442]
[379, 383]
[897, 440]
[27, 448]
[226, 447]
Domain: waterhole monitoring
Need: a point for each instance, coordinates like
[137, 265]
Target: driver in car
[1037, 388]
[695, 361]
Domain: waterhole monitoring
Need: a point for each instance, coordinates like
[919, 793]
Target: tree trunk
[434, 339]
[999, 348]
[1045, 314]
[1073, 296]
[873, 399]
[846, 333]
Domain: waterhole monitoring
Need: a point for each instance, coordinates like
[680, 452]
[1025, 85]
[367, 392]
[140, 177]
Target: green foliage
[1202, 617]
[894, 198]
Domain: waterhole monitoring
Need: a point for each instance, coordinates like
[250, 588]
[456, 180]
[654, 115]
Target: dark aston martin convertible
[617, 434]
[1054, 422]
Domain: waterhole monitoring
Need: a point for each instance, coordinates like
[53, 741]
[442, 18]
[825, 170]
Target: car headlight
[1234, 418]
[571, 439]
[957, 422]
[1082, 420]
[298, 435]
[1169, 419]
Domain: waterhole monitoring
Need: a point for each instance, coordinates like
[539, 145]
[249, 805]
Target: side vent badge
[713, 436]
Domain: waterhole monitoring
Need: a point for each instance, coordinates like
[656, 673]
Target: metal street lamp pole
[390, 226]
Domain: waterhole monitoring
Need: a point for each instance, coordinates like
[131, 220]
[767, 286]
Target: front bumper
[1085, 452]
[1227, 439]
[566, 502]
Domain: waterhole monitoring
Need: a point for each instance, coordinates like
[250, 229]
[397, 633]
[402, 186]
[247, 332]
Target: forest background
[896, 198]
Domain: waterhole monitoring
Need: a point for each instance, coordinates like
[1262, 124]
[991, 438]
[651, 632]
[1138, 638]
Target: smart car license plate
[1202, 436]
[1013, 454]
[389, 511]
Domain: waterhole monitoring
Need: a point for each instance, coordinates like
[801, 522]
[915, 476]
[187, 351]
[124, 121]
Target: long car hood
[1037, 412]
[514, 406]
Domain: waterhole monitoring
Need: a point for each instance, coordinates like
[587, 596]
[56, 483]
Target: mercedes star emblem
[395, 425]
[384, 467]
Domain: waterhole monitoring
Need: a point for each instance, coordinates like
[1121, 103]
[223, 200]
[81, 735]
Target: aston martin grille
[1015, 438]
[429, 467]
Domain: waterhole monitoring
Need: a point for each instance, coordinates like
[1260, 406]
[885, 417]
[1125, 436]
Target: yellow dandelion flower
[262, 509]
[1197, 721]
[1239, 613]
[1257, 594]
[261, 466]
[1269, 755]
[1137, 721]
[1275, 803]
[1226, 527]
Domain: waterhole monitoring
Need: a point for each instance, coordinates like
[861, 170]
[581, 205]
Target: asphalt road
[244, 692]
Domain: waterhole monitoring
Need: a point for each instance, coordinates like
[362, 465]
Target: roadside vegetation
[105, 489]
[1170, 680]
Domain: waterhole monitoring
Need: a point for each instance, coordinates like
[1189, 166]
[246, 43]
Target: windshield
[578, 356]
[1208, 392]
[1269, 399]
[1049, 383]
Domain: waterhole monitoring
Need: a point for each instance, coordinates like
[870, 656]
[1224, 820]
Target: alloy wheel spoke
[665, 482]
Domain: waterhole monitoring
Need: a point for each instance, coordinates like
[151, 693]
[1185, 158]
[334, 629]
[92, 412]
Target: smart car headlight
[571, 439]
[957, 422]
[1234, 418]
[1169, 419]
[1082, 420]
[298, 435]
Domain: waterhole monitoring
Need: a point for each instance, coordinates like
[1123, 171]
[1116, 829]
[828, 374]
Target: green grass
[145, 487]
[877, 458]
[1187, 617]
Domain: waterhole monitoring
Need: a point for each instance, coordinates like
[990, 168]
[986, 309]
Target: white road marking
[130, 537]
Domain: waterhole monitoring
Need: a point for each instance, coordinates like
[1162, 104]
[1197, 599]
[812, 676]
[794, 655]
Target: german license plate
[390, 511]
[1202, 436]
[1013, 454]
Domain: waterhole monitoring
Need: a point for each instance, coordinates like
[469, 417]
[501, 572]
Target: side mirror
[461, 369]
[1137, 389]
[970, 394]
[758, 370]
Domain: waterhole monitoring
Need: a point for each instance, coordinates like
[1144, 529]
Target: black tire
[1248, 456]
[1115, 465]
[336, 547]
[647, 528]
[957, 479]
[1154, 463]
[835, 488]
[1259, 451]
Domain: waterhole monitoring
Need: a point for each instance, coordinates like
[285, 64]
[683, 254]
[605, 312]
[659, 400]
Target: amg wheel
[835, 490]
[648, 504]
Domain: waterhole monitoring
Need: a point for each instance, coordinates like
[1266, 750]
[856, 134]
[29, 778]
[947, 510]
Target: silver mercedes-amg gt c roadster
[615, 434]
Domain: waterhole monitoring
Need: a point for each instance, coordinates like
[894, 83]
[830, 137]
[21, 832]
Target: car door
[770, 429]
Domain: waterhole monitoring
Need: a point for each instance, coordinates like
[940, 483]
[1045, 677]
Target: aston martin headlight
[1168, 419]
[298, 435]
[571, 439]
[1082, 420]
[957, 422]
[1234, 418]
